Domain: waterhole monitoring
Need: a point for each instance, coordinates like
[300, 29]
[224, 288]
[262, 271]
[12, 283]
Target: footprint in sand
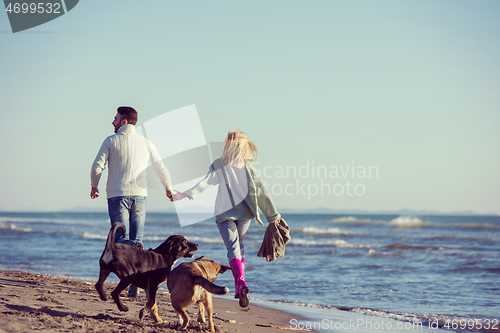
[48, 299]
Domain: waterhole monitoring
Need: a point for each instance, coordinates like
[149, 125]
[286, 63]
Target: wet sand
[43, 303]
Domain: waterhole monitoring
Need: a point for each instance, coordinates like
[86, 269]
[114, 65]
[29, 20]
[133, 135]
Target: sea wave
[89, 235]
[10, 226]
[94, 236]
[336, 242]
[476, 226]
[433, 321]
[205, 239]
[404, 221]
[465, 323]
[474, 268]
[9, 219]
[411, 222]
[399, 246]
[330, 231]
[465, 239]
[351, 219]
[190, 238]
[415, 222]
[373, 253]
[30, 220]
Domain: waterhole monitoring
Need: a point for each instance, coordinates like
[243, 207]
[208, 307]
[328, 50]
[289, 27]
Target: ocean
[412, 269]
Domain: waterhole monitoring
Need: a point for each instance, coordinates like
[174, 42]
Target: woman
[240, 195]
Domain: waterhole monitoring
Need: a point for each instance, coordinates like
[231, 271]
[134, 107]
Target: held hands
[277, 222]
[179, 196]
[173, 195]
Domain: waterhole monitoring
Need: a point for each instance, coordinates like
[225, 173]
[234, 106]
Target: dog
[145, 269]
[191, 282]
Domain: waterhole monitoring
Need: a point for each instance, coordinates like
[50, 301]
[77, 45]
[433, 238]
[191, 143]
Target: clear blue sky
[411, 87]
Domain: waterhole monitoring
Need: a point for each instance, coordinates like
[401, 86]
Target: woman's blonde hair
[237, 149]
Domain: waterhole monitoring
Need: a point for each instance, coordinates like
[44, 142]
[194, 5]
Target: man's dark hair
[128, 113]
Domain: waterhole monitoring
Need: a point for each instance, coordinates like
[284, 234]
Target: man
[127, 155]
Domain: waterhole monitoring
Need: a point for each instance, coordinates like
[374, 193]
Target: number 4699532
[32, 8]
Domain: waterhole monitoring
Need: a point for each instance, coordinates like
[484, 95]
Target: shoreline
[46, 303]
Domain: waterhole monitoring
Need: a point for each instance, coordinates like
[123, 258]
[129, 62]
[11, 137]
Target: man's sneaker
[133, 291]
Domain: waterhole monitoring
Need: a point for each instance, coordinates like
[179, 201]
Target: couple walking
[240, 195]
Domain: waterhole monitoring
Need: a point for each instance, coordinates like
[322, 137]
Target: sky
[405, 89]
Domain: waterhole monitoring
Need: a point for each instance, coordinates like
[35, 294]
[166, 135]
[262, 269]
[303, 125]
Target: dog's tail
[210, 287]
[110, 242]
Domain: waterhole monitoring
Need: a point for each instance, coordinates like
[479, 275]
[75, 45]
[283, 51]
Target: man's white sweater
[127, 155]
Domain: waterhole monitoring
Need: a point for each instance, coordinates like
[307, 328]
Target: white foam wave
[414, 222]
[405, 317]
[406, 219]
[46, 220]
[431, 320]
[415, 321]
[205, 240]
[410, 222]
[336, 242]
[13, 227]
[31, 220]
[351, 219]
[190, 238]
[94, 236]
[331, 231]
[155, 238]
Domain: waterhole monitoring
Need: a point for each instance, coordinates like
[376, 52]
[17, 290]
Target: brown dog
[191, 282]
[146, 269]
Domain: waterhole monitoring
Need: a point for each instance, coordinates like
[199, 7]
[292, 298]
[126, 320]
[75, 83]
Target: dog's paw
[123, 308]
[226, 289]
[141, 314]
[180, 328]
[102, 294]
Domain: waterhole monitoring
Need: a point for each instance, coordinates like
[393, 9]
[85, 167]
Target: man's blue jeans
[131, 211]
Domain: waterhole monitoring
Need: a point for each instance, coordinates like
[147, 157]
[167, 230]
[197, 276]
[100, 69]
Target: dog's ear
[171, 244]
[223, 268]
[166, 246]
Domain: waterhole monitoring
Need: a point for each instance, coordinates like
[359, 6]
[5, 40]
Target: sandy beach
[43, 303]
